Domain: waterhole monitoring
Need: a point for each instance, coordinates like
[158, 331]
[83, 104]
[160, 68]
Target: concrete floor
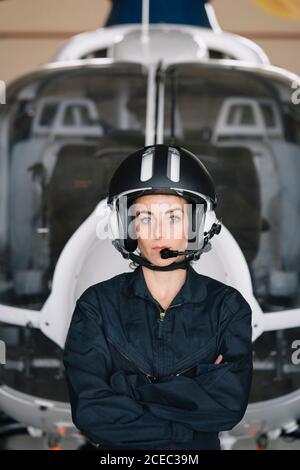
[275, 444]
[23, 442]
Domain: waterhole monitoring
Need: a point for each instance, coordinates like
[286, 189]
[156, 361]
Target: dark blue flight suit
[142, 378]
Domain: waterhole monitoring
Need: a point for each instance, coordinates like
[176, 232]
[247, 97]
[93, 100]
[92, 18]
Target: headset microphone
[167, 253]
[216, 228]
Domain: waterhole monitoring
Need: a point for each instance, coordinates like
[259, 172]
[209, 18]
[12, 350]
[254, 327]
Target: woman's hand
[219, 359]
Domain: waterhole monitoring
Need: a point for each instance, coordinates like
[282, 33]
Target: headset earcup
[130, 244]
[198, 212]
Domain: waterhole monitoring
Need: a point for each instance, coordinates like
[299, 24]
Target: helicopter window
[244, 128]
[77, 114]
[68, 129]
[268, 115]
[48, 115]
[241, 115]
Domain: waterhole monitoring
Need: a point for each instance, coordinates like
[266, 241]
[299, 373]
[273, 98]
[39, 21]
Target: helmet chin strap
[144, 262]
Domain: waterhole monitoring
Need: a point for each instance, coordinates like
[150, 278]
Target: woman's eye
[175, 218]
[145, 220]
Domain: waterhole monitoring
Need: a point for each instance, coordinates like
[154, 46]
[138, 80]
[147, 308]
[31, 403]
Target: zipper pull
[160, 324]
[162, 315]
[185, 370]
[154, 379]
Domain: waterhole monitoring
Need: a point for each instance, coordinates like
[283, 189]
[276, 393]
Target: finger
[219, 359]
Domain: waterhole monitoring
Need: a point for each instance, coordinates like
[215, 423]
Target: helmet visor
[187, 221]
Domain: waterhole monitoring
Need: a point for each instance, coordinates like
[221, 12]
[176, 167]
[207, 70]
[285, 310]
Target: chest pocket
[206, 354]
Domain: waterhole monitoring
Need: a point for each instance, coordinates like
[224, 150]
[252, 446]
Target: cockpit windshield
[245, 127]
[64, 131]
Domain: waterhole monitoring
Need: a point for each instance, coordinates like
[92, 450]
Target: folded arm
[216, 398]
[100, 413]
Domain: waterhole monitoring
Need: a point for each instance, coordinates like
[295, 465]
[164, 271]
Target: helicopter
[64, 129]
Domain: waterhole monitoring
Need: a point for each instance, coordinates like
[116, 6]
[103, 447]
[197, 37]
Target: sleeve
[217, 397]
[102, 415]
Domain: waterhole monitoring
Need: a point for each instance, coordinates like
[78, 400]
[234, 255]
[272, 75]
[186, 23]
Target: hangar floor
[23, 442]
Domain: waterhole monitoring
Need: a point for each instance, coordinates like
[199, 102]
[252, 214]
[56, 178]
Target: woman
[160, 358]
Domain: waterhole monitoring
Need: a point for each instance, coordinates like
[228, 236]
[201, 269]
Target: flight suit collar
[193, 290]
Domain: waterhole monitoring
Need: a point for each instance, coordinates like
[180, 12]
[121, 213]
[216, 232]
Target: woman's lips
[158, 248]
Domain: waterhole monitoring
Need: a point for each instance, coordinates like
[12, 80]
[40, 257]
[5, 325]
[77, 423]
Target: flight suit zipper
[191, 367]
[162, 316]
[185, 370]
[149, 376]
[161, 319]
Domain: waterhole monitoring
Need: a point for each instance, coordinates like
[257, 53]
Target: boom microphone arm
[167, 253]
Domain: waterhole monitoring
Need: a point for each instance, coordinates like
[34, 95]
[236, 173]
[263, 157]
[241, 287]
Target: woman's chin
[161, 261]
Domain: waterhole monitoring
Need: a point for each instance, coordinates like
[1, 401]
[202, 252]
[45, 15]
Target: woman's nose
[158, 229]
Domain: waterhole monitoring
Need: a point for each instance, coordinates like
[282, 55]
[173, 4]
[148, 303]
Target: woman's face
[161, 220]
